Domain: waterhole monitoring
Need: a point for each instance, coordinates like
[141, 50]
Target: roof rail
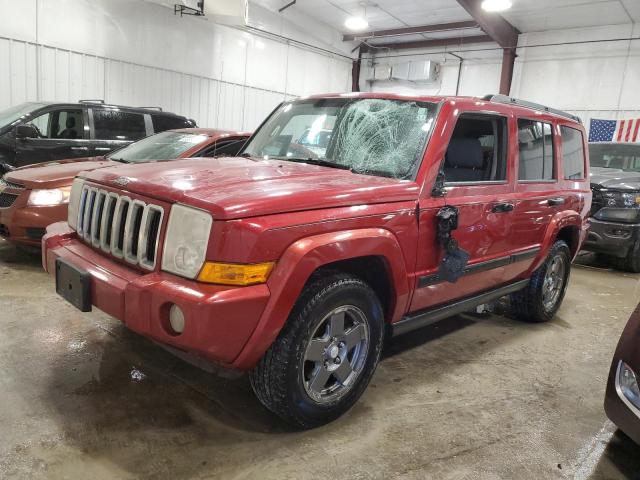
[152, 108]
[91, 101]
[536, 106]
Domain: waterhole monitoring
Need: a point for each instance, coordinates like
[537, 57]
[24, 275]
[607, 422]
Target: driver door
[63, 133]
[479, 183]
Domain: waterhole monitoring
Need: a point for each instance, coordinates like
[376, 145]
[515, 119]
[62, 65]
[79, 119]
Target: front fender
[304, 257]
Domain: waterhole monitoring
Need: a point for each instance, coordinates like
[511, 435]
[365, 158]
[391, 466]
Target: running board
[429, 317]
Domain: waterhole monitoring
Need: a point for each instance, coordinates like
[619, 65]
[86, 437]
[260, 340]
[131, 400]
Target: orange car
[35, 196]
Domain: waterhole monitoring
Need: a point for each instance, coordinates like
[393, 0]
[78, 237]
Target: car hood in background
[240, 187]
[55, 174]
[615, 179]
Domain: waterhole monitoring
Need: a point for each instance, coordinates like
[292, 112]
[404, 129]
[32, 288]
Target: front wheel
[540, 300]
[324, 357]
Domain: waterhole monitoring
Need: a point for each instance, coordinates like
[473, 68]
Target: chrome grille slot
[124, 227]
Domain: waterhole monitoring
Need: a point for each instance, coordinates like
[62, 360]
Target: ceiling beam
[440, 42]
[394, 32]
[494, 25]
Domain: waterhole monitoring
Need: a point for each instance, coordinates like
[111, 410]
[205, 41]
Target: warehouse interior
[478, 394]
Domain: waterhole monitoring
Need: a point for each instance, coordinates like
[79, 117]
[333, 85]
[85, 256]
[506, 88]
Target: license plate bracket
[74, 285]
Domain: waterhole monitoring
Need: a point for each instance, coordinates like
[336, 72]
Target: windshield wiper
[315, 161]
[121, 160]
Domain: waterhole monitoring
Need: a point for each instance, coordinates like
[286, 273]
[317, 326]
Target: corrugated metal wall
[30, 72]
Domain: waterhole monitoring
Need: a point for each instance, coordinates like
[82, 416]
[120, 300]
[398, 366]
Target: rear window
[118, 125]
[572, 153]
[535, 141]
[169, 122]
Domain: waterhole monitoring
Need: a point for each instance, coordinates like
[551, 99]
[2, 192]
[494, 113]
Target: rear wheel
[630, 263]
[540, 300]
[324, 357]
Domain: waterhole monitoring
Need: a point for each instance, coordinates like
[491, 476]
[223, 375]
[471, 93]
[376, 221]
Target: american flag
[624, 131]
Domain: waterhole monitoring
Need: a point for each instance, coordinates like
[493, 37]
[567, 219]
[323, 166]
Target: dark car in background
[622, 402]
[35, 196]
[37, 132]
[615, 213]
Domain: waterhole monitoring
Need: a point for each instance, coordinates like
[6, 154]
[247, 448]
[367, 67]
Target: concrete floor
[81, 397]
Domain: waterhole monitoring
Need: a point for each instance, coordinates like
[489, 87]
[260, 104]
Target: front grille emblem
[122, 181]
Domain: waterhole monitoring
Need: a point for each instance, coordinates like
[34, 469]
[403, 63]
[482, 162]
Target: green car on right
[614, 229]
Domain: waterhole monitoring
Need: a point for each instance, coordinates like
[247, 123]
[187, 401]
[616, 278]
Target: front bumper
[615, 239]
[26, 224]
[218, 320]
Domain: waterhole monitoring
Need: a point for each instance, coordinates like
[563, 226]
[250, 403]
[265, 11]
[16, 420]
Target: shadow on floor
[620, 458]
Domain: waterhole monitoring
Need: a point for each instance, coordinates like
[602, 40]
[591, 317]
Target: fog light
[176, 318]
[627, 385]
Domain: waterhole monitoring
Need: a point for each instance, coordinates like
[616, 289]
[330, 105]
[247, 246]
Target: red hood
[244, 187]
[56, 174]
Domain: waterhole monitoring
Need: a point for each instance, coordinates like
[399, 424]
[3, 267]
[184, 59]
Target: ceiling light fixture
[356, 23]
[496, 5]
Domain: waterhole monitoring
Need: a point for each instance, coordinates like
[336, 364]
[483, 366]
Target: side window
[169, 122]
[535, 140]
[477, 151]
[41, 123]
[118, 125]
[66, 124]
[223, 148]
[572, 153]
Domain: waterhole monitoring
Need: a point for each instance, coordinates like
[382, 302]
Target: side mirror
[26, 131]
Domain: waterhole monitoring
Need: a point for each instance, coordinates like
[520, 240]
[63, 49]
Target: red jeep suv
[344, 217]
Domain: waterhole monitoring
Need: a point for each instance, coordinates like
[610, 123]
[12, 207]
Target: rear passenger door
[113, 128]
[479, 182]
[539, 195]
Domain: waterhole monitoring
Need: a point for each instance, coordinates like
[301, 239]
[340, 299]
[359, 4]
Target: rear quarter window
[118, 125]
[169, 122]
[572, 153]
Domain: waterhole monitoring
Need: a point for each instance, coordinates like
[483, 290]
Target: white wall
[133, 52]
[592, 80]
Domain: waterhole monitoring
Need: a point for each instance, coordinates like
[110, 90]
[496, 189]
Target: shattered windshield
[365, 135]
[620, 157]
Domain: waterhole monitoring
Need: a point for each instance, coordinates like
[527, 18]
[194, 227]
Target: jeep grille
[127, 228]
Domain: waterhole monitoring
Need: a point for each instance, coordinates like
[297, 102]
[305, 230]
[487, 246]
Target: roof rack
[91, 101]
[152, 108]
[536, 106]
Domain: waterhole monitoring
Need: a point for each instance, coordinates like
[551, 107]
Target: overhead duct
[419, 71]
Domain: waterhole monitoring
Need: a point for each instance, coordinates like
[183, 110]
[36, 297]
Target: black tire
[279, 380]
[630, 263]
[528, 304]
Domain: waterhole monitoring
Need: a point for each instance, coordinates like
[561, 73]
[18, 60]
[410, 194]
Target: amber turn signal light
[235, 274]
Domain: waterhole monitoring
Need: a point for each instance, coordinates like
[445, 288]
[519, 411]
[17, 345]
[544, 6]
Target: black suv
[614, 229]
[37, 132]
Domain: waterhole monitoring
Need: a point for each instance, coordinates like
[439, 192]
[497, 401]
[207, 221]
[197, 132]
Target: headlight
[621, 199]
[74, 202]
[51, 197]
[625, 215]
[186, 241]
[627, 385]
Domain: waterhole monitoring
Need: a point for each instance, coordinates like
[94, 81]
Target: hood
[55, 174]
[245, 187]
[615, 179]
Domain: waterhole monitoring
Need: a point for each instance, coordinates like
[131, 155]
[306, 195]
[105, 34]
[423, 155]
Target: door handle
[554, 202]
[103, 149]
[83, 149]
[502, 207]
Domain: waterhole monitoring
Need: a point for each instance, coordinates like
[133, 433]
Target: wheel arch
[366, 253]
[567, 226]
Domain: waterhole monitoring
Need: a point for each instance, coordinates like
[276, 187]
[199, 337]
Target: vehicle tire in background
[541, 298]
[326, 354]
[630, 263]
